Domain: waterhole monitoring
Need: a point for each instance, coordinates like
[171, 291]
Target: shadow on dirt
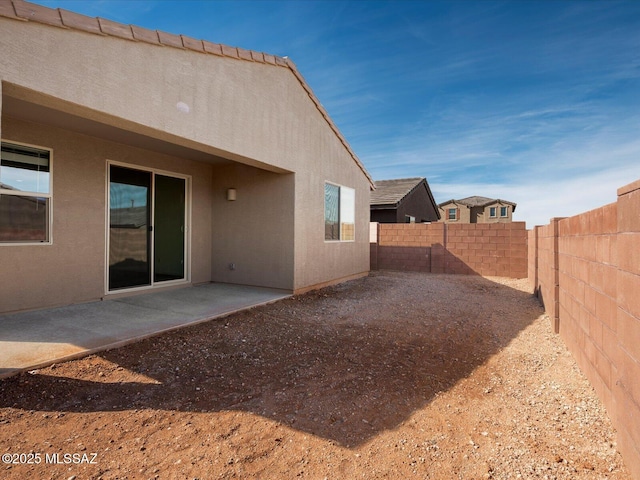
[343, 363]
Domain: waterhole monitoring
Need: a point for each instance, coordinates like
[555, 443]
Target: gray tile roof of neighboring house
[391, 192]
[477, 201]
[25, 11]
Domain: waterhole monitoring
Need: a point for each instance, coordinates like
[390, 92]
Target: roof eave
[433, 201]
[383, 206]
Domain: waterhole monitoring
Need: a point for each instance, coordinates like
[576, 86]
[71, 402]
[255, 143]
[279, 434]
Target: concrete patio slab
[34, 339]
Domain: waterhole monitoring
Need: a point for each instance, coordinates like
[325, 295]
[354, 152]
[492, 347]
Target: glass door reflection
[129, 228]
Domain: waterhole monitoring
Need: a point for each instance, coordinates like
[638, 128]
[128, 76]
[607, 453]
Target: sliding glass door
[129, 228]
[147, 214]
[168, 229]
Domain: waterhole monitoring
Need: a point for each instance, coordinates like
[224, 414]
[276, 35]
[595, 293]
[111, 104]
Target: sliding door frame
[187, 228]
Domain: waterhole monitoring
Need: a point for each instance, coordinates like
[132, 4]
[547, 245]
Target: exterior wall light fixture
[231, 194]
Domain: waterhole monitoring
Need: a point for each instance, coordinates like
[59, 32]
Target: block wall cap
[629, 188]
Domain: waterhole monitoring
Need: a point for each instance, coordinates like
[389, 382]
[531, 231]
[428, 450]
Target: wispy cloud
[539, 201]
[534, 102]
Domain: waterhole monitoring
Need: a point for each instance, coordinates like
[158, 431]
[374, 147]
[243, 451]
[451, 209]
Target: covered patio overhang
[25, 104]
[217, 232]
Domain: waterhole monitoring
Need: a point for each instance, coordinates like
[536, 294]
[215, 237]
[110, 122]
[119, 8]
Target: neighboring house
[477, 210]
[134, 159]
[405, 200]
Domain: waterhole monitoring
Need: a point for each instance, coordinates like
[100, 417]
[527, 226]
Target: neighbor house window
[503, 211]
[25, 194]
[453, 214]
[339, 212]
[493, 212]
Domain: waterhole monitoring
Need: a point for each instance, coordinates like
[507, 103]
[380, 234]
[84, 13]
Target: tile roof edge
[466, 204]
[325, 114]
[454, 201]
[8, 10]
[435, 206]
[494, 200]
[383, 206]
[399, 179]
[412, 189]
[406, 194]
[500, 200]
[42, 14]
[416, 179]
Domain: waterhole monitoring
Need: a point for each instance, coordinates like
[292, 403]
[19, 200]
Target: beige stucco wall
[497, 219]
[72, 269]
[316, 260]
[254, 114]
[274, 232]
[243, 110]
[464, 213]
[256, 231]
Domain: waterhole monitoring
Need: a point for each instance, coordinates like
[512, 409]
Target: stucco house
[477, 210]
[404, 200]
[135, 160]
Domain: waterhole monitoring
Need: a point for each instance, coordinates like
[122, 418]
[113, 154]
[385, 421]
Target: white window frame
[340, 210]
[48, 196]
[506, 211]
[493, 212]
[455, 213]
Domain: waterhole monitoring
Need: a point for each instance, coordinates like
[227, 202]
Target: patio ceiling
[24, 104]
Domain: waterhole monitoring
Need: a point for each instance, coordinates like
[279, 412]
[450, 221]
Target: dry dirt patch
[397, 375]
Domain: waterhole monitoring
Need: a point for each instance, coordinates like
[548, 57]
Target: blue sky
[533, 102]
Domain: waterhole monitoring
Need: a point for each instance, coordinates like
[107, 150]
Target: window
[25, 194]
[453, 214]
[504, 211]
[493, 212]
[339, 212]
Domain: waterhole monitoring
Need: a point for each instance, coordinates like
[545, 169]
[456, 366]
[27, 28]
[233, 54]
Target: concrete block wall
[532, 260]
[490, 249]
[482, 249]
[626, 254]
[587, 293]
[586, 270]
[544, 241]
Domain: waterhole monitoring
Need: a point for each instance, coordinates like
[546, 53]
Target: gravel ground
[396, 376]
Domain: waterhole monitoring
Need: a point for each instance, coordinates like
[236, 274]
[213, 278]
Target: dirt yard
[396, 376]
